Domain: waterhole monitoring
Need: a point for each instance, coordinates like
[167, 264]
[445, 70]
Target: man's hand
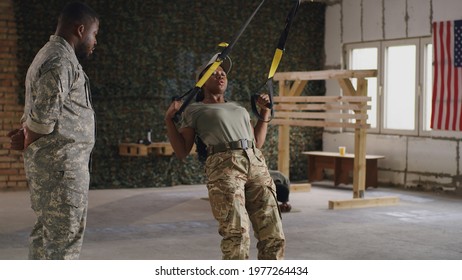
[30, 136]
[17, 139]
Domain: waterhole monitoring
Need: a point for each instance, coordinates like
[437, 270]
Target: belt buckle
[244, 144]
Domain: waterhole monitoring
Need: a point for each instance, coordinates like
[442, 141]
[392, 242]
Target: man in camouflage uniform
[59, 135]
[282, 183]
[240, 188]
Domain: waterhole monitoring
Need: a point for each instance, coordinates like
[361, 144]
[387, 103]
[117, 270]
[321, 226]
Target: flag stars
[458, 43]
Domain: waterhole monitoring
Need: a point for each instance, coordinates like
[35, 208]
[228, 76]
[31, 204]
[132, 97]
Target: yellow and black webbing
[275, 63]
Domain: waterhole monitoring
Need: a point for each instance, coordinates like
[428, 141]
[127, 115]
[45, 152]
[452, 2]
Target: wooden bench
[342, 166]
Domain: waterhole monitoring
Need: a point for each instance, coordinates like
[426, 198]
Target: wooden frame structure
[347, 111]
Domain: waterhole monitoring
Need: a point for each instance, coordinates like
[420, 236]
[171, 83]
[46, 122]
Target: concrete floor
[175, 223]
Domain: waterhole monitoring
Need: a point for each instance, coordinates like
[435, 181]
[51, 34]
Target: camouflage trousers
[241, 192]
[59, 200]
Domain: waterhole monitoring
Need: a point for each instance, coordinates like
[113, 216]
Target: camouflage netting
[147, 53]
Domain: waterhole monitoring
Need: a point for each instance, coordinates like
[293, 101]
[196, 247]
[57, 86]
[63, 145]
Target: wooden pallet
[156, 148]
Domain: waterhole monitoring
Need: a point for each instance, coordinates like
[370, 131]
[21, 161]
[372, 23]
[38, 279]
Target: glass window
[400, 88]
[401, 95]
[364, 59]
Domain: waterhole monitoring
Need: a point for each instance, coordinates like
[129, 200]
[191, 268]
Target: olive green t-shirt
[218, 122]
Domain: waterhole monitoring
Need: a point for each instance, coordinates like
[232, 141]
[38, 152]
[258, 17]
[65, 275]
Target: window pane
[428, 86]
[363, 59]
[400, 87]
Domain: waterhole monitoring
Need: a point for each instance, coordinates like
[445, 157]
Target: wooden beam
[359, 173]
[321, 115]
[319, 107]
[324, 75]
[300, 187]
[363, 202]
[347, 87]
[284, 137]
[284, 149]
[323, 99]
[320, 123]
[297, 88]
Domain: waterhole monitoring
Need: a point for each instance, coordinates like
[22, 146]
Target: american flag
[447, 76]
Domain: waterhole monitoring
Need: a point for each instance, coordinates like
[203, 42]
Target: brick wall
[12, 175]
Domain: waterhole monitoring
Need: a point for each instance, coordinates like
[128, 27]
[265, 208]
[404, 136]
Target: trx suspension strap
[221, 57]
[275, 63]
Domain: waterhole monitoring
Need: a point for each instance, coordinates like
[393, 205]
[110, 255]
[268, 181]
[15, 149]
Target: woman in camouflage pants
[240, 187]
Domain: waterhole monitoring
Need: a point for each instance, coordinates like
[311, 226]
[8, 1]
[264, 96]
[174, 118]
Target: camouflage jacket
[58, 104]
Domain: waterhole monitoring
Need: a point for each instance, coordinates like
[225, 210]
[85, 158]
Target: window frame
[348, 57]
[421, 90]
[384, 55]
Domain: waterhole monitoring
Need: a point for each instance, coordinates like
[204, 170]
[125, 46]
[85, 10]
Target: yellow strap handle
[274, 65]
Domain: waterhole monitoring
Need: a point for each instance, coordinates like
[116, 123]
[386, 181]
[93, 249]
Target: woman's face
[218, 81]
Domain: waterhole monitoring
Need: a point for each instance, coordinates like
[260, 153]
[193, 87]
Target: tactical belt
[242, 144]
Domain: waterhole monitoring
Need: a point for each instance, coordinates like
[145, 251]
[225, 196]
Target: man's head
[79, 25]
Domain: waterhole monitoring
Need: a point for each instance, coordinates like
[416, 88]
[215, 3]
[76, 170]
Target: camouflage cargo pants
[59, 200]
[241, 192]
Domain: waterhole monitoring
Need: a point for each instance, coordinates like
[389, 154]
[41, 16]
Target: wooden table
[342, 166]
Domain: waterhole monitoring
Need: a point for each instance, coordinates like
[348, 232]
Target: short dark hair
[77, 13]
